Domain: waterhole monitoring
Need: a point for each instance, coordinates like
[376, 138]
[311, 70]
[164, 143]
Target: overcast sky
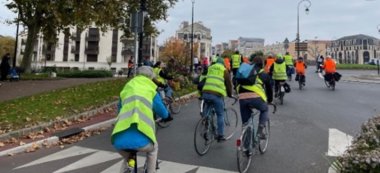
[273, 20]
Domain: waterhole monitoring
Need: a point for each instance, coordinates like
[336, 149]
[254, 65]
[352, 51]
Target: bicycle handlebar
[236, 98]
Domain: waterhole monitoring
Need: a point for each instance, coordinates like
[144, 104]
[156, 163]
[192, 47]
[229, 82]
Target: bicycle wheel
[327, 84]
[203, 136]
[332, 85]
[230, 122]
[263, 143]
[175, 104]
[245, 150]
[282, 94]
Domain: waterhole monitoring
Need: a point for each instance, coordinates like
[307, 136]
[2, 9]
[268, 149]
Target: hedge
[363, 156]
[85, 74]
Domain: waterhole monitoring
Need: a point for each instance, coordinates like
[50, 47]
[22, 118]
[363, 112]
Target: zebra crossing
[96, 157]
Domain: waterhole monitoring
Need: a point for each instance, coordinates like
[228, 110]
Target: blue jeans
[216, 102]
[257, 103]
[168, 91]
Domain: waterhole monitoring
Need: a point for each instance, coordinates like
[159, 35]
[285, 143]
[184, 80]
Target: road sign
[301, 46]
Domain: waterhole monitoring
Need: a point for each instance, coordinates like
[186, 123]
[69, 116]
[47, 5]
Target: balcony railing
[92, 37]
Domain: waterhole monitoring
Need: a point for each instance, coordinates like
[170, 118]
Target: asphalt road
[299, 136]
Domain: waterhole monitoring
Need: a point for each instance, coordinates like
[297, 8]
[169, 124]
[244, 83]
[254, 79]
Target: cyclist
[217, 86]
[161, 79]
[289, 64]
[268, 63]
[330, 68]
[278, 72]
[135, 126]
[256, 96]
[236, 61]
[300, 70]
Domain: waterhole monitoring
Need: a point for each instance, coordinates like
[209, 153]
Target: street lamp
[16, 43]
[307, 6]
[192, 37]
[378, 58]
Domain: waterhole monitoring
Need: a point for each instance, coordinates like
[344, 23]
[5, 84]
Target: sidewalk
[13, 90]
[369, 79]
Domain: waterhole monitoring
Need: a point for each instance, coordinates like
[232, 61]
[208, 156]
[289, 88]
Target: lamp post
[192, 38]
[16, 43]
[298, 22]
[141, 16]
[378, 58]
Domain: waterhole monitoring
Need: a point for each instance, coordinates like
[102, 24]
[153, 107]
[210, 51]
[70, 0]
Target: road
[299, 137]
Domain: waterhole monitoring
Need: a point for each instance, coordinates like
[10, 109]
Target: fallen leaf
[11, 154]
[22, 143]
[2, 144]
[28, 119]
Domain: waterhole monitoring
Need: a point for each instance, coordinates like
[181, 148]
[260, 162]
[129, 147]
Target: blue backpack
[246, 74]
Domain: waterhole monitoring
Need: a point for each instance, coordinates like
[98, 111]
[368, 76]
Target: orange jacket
[269, 63]
[227, 63]
[300, 67]
[329, 66]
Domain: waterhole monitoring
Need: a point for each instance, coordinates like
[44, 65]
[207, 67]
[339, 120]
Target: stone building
[248, 46]
[202, 37]
[87, 49]
[355, 49]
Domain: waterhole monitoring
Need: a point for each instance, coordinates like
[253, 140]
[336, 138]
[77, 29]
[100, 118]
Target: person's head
[258, 61]
[158, 64]
[252, 57]
[220, 60]
[7, 54]
[146, 71]
[217, 54]
[328, 57]
[237, 52]
[300, 59]
[279, 56]
[287, 53]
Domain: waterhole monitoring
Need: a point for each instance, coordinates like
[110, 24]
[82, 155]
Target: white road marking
[338, 142]
[97, 157]
[71, 152]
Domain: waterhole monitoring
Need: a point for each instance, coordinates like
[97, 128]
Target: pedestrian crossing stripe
[95, 157]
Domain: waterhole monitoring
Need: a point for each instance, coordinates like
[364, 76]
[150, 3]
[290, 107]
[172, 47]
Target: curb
[55, 139]
[26, 131]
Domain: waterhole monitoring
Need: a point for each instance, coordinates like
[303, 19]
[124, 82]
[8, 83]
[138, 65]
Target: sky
[272, 20]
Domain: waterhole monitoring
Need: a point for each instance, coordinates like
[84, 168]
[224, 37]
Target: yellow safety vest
[236, 60]
[257, 88]
[288, 60]
[157, 71]
[137, 105]
[279, 71]
[215, 79]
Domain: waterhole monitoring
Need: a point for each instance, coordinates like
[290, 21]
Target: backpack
[246, 74]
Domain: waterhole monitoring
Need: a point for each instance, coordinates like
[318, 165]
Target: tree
[7, 45]
[53, 16]
[178, 50]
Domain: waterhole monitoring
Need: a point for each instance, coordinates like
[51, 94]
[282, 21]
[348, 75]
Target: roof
[358, 36]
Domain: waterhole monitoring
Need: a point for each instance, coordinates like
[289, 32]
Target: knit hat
[220, 60]
[146, 71]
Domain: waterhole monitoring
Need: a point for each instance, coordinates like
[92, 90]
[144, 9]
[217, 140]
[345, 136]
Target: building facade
[248, 46]
[355, 49]
[87, 49]
[201, 38]
[274, 48]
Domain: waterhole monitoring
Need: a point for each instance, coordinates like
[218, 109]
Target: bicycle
[205, 130]
[172, 103]
[330, 83]
[281, 93]
[301, 81]
[250, 140]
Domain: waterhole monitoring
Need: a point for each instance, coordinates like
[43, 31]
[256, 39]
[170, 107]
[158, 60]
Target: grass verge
[33, 110]
[356, 67]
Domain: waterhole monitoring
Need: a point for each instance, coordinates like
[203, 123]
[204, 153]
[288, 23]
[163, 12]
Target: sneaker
[221, 138]
[261, 133]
